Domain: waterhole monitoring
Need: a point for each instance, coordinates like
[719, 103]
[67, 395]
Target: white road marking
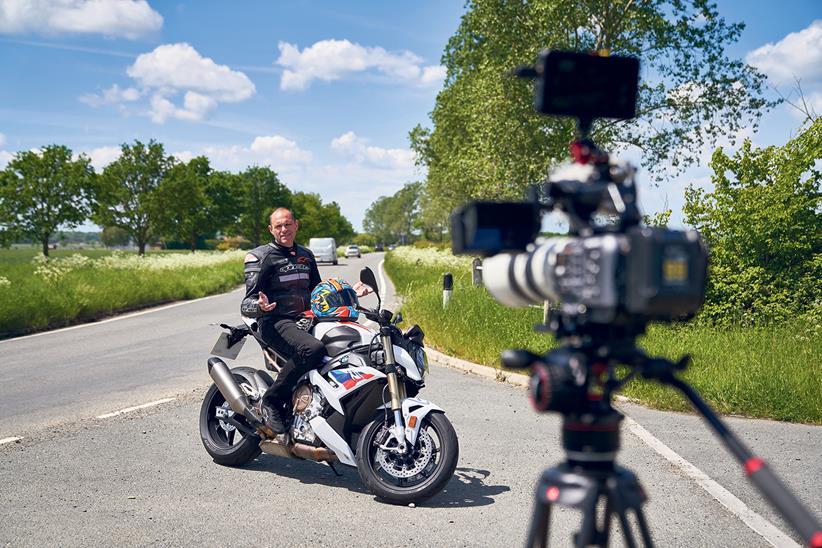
[383, 285]
[135, 408]
[9, 440]
[757, 523]
[123, 317]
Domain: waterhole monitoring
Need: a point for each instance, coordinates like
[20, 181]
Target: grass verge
[38, 294]
[766, 372]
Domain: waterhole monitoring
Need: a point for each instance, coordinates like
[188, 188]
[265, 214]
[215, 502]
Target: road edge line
[754, 521]
[10, 439]
[135, 408]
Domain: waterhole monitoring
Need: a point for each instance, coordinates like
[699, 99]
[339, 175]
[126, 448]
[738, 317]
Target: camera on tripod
[607, 280]
[614, 273]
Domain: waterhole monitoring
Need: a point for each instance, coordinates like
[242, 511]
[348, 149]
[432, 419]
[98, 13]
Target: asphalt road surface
[142, 477]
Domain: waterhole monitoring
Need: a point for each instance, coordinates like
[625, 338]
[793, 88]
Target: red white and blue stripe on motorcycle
[349, 378]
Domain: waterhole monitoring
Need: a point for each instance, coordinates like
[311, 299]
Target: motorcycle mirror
[398, 318]
[367, 277]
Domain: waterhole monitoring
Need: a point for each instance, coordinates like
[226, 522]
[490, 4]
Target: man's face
[284, 228]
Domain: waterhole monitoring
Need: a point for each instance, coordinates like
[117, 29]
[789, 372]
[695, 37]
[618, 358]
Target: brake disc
[400, 465]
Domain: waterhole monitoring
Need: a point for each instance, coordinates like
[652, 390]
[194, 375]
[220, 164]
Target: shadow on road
[466, 489]
[306, 471]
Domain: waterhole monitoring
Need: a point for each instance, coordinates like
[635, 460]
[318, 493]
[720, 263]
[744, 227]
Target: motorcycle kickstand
[331, 464]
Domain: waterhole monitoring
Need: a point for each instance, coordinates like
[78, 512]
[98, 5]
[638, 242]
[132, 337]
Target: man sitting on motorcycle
[279, 278]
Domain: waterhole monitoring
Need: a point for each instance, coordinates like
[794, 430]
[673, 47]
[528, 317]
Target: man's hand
[361, 289]
[265, 306]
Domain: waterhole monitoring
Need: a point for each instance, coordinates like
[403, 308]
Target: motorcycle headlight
[421, 359]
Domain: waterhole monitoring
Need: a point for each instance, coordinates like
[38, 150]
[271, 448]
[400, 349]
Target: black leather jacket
[286, 275]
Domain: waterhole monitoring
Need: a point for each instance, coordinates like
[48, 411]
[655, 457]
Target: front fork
[395, 388]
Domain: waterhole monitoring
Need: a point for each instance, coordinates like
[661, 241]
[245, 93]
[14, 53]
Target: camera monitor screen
[587, 86]
[487, 228]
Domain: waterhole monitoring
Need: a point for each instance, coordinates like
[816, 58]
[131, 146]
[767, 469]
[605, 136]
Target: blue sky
[324, 92]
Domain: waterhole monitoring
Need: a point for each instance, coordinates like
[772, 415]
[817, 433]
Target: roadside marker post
[447, 288]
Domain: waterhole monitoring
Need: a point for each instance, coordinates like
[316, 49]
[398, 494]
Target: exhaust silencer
[230, 389]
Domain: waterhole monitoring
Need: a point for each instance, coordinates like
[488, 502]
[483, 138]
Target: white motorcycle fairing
[414, 407]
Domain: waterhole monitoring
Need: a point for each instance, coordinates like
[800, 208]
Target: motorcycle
[360, 408]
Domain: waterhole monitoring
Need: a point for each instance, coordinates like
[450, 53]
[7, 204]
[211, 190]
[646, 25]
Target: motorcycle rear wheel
[441, 451]
[226, 444]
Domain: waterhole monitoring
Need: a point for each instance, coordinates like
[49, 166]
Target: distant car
[353, 251]
[324, 249]
[391, 247]
[378, 247]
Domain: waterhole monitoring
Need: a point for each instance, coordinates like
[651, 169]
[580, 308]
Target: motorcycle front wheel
[226, 444]
[412, 477]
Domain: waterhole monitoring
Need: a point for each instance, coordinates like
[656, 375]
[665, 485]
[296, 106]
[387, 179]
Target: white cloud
[798, 55]
[359, 149]
[173, 69]
[5, 158]
[126, 18]
[275, 151]
[184, 155]
[180, 66]
[111, 96]
[330, 60]
[103, 156]
[279, 149]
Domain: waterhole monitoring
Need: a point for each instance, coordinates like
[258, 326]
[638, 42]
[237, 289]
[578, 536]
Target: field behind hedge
[76, 286]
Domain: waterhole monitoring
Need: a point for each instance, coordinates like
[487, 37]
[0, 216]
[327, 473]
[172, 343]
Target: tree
[44, 190]
[113, 236]
[197, 202]
[394, 218]
[318, 220]
[260, 192]
[762, 224]
[127, 191]
[487, 141]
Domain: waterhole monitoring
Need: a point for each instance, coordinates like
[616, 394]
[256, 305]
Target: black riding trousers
[305, 351]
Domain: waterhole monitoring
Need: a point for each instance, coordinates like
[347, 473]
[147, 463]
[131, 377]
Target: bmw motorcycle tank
[340, 338]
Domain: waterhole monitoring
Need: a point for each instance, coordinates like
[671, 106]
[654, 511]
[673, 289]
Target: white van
[324, 249]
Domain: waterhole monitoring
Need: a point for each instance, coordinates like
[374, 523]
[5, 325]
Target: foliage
[113, 236]
[365, 239]
[41, 294]
[659, 219]
[488, 142]
[43, 190]
[762, 224]
[318, 220]
[197, 202]
[235, 242]
[260, 191]
[393, 218]
[127, 193]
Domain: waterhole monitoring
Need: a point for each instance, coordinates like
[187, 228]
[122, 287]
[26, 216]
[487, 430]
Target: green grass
[37, 295]
[771, 372]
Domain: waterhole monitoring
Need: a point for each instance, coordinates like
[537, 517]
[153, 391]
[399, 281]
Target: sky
[323, 92]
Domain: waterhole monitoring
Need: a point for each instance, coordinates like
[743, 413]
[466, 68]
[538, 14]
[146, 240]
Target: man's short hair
[281, 209]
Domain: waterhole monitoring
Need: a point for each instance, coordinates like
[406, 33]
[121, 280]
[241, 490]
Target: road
[142, 477]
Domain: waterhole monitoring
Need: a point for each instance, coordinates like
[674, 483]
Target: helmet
[334, 297]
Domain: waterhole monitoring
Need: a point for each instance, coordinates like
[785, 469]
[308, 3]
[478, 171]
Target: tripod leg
[538, 533]
[588, 529]
[643, 527]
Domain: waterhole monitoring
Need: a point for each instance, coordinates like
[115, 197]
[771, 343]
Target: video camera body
[617, 274]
